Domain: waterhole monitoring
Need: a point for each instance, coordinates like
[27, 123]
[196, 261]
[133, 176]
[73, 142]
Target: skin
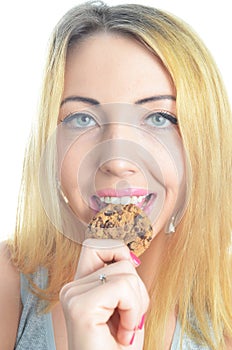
[131, 62]
[114, 56]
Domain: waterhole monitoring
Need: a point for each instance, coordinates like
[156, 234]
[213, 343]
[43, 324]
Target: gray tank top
[35, 330]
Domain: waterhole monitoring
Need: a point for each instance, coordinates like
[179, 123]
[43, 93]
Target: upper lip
[109, 192]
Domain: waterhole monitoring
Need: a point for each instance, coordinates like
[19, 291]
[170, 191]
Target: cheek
[166, 164]
[171, 173]
[72, 150]
[69, 167]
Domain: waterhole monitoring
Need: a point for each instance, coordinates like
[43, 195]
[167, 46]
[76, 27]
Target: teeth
[134, 200]
[123, 200]
[107, 200]
[114, 200]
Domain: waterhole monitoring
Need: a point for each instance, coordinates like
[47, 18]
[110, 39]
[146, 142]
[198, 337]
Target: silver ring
[102, 278]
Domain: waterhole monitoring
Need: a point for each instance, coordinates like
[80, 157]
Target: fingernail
[135, 259]
[132, 339]
[142, 322]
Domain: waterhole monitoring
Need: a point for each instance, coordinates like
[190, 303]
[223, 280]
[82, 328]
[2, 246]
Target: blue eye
[160, 120]
[79, 120]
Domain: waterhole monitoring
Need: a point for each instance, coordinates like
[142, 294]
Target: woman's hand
[106, 315]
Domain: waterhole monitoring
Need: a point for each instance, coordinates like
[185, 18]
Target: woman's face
[118, 140]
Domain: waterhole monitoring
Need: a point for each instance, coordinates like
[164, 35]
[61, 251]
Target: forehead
[115, 68]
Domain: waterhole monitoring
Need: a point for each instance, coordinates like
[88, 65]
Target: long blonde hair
[196, 272]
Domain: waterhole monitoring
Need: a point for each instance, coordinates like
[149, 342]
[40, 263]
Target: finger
[120, 292]
[125, 335]
[96, 253]
[118, 270]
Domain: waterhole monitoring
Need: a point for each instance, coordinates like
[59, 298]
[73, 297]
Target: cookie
[124, 222]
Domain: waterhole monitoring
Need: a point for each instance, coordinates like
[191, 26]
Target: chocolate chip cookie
[124, 222]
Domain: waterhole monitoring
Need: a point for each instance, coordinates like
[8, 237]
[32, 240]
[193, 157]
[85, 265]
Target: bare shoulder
[10, 302]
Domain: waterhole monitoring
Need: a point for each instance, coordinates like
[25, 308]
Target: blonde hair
[196, 272]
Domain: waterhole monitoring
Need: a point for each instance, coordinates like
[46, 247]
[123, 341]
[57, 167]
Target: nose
[118, 151]
[120, 168]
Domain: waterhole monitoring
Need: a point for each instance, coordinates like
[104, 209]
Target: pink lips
[123, 192]
[96, 204]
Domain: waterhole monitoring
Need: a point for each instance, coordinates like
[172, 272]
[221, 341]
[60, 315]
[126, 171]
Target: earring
[61, 192]
[171, 227]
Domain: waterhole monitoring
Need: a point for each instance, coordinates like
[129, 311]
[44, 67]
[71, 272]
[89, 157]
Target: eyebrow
[89, 100]
[155, 98]
[92, 101]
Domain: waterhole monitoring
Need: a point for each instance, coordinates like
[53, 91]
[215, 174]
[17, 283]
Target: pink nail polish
[142, 322]
[132, 339]
[135, 259]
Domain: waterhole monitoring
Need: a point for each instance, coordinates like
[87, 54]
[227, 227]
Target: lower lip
[96, 207]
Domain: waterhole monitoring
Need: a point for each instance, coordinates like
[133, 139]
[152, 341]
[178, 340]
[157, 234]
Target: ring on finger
[102, 278]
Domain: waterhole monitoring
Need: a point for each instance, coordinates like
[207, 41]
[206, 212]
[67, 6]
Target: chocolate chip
[137, 218]
[118, 208]
[109, 212]
[130, 207]
[141, 234]
[109, 224]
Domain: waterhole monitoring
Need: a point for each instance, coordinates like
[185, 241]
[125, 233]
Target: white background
[25, 27]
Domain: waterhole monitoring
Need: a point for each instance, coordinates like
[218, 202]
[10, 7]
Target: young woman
[139, 110]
